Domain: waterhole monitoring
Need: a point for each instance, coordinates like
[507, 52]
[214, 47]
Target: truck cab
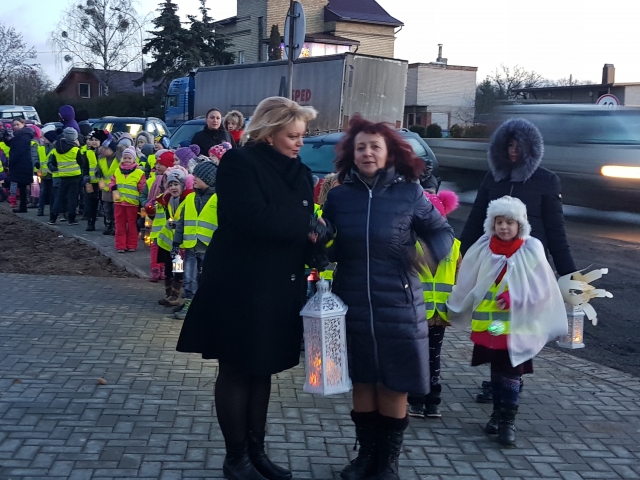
[179, 102]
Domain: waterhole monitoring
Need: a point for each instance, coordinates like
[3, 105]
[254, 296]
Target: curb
[118, 260]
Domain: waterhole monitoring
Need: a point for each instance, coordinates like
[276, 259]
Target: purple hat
[187, 153]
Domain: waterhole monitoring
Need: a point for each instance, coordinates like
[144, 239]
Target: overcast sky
[555, 38]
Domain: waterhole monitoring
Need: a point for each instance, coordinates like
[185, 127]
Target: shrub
[477, 130]
[434, 131]
[456, 131]
[419, 129]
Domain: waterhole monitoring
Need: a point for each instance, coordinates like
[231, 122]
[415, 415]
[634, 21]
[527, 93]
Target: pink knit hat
[128, 157]
[445, 201]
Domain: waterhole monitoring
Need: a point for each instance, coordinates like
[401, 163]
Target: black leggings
[242, 401]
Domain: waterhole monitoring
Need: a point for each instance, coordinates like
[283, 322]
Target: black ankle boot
[432, 402]
[91, 226]
[366, 463]
[390, 438]
[261, 462]
[237, 465]
[492, 425]
[486, 396]
[506, 426]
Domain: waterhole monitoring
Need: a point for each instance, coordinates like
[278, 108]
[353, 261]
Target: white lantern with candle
[327, 370]
[178, 264]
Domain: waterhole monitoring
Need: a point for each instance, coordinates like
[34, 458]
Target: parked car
[318, 153]
[132, 125]
[186, 131]
[8, 112]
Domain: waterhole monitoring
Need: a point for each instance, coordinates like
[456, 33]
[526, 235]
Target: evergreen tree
[210, 47]
[169, 45]
[275, 53]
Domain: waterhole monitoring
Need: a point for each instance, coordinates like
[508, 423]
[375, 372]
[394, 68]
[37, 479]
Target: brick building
[333, 26]
[90, 83]
[440, 93]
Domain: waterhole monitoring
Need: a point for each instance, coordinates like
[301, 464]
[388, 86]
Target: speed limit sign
[608, 101]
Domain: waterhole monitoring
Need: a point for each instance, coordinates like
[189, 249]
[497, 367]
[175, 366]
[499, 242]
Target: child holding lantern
[507, 289]
[106, 168]
[178, 187]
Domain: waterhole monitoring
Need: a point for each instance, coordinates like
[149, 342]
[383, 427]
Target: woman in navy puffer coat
[378, 213]
[21, 163]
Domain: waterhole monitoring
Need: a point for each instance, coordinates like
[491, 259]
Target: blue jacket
[20, 160]
[377, 228]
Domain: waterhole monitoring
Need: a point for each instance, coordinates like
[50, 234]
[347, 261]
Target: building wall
[70, 87]
[411, 97]
[245, 33]
[447, 90]
[631, 96]
[313, 12]
[375, 40]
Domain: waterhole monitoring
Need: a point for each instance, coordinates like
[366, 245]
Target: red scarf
[506, 248]
[236, 134]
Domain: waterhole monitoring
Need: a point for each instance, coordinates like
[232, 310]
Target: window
[410, 120]
[160, 129]
[172, 101]
[101, 89]
[151, 128]
[84, 89]
[241, 56]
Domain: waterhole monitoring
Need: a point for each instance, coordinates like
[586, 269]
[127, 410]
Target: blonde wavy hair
[236, 116]
[273, 114]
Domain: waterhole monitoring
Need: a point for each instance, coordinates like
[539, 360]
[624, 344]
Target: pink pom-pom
[449, 200]
[188, 182]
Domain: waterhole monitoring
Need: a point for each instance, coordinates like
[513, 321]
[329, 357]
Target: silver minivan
[7, 112]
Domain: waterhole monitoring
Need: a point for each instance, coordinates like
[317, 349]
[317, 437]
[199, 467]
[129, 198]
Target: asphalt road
[599, 240]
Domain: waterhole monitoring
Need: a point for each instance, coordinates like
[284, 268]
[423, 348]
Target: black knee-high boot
[261, 461]
[237, 464]
[390, 439]
[366, 463]
[506, 425]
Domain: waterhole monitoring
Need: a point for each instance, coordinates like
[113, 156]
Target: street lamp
[14, 79]
[117, 9]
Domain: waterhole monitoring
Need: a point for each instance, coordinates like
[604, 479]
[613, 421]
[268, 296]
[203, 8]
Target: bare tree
[14, 54]
[98, 34]
[30, 86]
[569, 82]
[508, 80]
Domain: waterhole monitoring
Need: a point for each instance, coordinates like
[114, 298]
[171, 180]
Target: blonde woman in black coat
[246, 312]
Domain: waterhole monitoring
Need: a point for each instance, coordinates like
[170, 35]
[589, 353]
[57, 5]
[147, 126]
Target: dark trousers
[22, 188]
[46, 194]
[91, 203]
[68, 191]
[107, 208]
[436, 337]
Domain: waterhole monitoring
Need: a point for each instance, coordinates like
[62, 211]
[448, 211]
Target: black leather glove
[175, 250]
[325, 231]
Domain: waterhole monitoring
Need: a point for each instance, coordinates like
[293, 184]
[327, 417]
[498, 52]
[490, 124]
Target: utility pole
[291, 48]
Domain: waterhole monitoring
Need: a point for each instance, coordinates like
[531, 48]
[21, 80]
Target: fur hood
[509, 207]
[531, 149]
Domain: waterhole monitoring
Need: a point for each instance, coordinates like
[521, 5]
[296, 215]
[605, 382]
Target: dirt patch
[27, 247]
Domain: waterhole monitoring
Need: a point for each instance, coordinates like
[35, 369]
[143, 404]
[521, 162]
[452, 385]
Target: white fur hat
[511, 208]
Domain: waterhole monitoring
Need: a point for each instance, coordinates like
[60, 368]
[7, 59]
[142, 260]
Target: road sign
[295, 15]
[609, 101]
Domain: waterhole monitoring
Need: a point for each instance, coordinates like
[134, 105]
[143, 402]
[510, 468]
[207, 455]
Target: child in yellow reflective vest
[508, 290]
[197, 222]
[92, 187]
[437, 283]
[126, 185]
[178, 188]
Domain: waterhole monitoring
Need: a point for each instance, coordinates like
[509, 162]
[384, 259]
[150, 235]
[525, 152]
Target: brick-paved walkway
[154, 418]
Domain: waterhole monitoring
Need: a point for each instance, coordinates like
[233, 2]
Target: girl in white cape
[506, 288]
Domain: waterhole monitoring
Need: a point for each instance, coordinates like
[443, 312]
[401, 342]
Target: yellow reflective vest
[151, 160]
[128, 186]
[44, 160]
[93, 163]
[437, 288]
[68, 163]
[108, 171]
[165, 237]
[159, 221]
[5, 148]
[487, 311]
[198, 226]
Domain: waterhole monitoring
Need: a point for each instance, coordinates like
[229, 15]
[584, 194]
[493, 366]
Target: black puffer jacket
[207, 138]
[377, 228]
[538, 188]
[20, 158]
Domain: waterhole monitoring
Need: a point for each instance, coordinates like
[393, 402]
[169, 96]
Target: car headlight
[617, 171]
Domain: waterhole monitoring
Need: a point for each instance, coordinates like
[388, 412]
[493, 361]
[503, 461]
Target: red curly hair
[400, 154]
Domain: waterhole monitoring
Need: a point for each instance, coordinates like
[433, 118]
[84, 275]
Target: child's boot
[167, 293]
[432, 402]
[182, 313]
[506, 426]
[486, 396]
[155, 275]
[416, 406]
[12, 201]
[175, 298]
[91, 225]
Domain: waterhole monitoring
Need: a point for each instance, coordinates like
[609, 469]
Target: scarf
[506, 248]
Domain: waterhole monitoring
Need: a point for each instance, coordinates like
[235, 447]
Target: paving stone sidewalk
[154, 418]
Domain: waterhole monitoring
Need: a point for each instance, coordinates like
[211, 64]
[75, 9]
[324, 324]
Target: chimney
[608, 74]
[440, 59]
